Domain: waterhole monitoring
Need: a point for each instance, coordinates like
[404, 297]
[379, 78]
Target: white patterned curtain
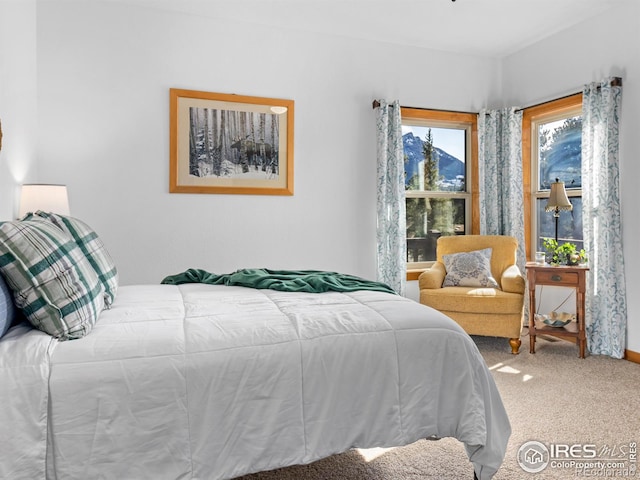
[500, 172]
[391, 230]
[606, 304]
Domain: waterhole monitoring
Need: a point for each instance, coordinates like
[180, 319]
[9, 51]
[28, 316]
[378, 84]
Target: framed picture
[224, 143]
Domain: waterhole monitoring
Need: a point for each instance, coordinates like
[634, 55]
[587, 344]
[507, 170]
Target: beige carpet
[552, 397]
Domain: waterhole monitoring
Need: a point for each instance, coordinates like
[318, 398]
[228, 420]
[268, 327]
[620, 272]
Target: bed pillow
[469, 269]
[7, 309]
[52, 282]
[92, 247]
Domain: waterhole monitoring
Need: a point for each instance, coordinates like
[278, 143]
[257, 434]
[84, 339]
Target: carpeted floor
[552, 397]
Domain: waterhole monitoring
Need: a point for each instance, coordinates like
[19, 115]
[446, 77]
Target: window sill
[414, 273]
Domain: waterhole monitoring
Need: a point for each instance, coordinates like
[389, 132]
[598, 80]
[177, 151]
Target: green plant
[566, 253]
[583, 256]
[551, 247]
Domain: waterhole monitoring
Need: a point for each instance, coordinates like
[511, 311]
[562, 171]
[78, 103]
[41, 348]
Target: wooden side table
[561, 276]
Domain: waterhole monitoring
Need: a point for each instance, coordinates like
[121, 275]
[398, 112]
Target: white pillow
[469, 269]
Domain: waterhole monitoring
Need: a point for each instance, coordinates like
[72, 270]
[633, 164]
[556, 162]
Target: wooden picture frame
[247, 147]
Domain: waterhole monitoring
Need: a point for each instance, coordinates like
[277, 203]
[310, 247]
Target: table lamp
[45, 197]
[558, 200]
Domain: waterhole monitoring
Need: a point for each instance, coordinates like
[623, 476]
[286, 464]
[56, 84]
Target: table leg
[532, 320]
[582, 337]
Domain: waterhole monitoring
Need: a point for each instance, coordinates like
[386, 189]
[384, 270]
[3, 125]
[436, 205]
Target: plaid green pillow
[91, 246]
[52, 282]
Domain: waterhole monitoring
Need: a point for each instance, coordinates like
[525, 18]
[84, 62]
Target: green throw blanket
[313, 281]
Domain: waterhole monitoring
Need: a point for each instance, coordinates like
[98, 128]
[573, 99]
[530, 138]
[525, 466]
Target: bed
[202, 381]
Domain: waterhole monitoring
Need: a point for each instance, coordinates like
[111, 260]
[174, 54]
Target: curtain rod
[376, 104]
[542, 103]
[615, 82]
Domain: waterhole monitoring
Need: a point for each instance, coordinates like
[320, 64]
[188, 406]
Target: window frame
[531, 118]
[450, 119]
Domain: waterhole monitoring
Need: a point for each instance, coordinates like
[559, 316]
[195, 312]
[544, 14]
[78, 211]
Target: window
[552, 141]
[440, 151]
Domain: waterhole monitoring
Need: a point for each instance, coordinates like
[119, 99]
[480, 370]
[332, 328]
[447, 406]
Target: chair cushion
[472, 300]
[469, 269]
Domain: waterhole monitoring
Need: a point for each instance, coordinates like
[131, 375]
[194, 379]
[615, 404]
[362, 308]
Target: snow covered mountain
[449, 166]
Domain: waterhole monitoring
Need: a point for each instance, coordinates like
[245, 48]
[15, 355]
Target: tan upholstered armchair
[487, 311]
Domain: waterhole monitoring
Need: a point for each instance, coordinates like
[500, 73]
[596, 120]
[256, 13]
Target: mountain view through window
[436, 187]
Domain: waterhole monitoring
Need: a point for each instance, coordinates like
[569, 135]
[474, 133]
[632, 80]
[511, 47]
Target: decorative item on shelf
[45, 197]
[556, 319]
[558, 200]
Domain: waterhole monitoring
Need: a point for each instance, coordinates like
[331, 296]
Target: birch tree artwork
[233, 144]
[230, 144]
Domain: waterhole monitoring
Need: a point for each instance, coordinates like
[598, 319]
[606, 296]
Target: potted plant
[566, 253]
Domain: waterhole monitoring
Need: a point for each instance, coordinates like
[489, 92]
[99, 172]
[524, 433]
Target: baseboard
[632, 356]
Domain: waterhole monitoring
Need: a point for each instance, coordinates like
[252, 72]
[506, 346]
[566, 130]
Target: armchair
[485, 311]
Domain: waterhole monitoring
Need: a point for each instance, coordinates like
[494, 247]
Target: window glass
[434, 158]
[559, 147]
[556, 154]
[437, 157]
[569, 223]
[427, 220]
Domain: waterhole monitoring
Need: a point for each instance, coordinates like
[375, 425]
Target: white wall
[606, 46]
[104, 73]
[18, 101]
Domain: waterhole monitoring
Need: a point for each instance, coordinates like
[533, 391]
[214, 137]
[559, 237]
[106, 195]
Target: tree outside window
[438, 158]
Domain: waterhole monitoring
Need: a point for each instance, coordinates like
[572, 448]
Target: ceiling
[493, 28]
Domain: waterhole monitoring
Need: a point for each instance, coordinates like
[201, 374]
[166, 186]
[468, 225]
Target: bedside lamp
[558, 200]
[45, 197]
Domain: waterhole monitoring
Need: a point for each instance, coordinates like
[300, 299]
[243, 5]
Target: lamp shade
[45, 197]
[558, 198]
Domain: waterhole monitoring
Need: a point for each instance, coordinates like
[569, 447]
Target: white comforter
[212, 382]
